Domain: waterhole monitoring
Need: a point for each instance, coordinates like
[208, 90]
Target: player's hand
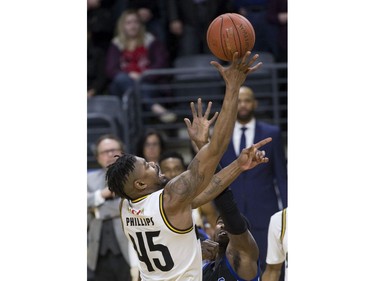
[236, 72]
[209, 249]
[199, 130]
[251, 157]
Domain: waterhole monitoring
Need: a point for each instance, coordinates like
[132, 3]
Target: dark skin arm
[249, 158]
[181, 191]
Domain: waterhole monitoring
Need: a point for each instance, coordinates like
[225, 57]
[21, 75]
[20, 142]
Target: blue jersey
[224, 272]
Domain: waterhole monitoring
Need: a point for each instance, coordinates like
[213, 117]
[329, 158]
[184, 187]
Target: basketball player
[234, 254]
[157, 217]
[277, 250]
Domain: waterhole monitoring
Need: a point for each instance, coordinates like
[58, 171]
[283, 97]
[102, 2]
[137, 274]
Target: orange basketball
[230, 33]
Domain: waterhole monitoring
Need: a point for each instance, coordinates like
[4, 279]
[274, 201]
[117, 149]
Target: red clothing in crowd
[136, 60]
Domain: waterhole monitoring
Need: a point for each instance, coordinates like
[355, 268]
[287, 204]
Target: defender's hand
[199, 130]
[251, 157]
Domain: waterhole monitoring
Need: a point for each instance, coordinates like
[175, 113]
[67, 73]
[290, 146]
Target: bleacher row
[190, 78]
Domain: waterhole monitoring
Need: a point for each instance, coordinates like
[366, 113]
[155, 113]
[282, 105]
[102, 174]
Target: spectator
[278, 16]
[101, 20]
[151, 146]
[188, 23]
[262, 191]
[256, 12]
[131, 52]
[152, 14]
[96, 79]
[109, 253]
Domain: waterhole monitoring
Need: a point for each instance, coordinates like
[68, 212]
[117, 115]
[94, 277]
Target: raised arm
[181, 191]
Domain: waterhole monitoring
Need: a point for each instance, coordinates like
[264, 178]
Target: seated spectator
[151, 146]
[131, 52]
[151, 13]
[96, 78]
[188, 21]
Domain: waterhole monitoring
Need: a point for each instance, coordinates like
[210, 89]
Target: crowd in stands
[164, 30]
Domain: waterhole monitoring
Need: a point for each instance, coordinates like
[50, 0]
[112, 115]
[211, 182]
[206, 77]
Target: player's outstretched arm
[249, 158]
[182, 190]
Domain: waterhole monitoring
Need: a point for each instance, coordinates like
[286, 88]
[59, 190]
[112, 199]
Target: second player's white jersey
[165, 253]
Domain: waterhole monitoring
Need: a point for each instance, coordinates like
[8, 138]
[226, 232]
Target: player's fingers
[235, 58]
[253, 68]
[259, 154]
[245, 58]
[217, 65]
[187, 122]
[192, 107]
[212, 120]
[208, 110]
[262, 142]
[199, 102]
[253, 59]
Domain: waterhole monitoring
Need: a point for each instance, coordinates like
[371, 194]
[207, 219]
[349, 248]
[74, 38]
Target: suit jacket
[108, 210]
[254, 190]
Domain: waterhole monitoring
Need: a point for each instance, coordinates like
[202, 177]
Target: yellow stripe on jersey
[283, 225]
[179, 231]
[140, 198]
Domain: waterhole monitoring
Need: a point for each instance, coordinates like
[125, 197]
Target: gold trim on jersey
[167, 223]
[139, 199]
[283, 225]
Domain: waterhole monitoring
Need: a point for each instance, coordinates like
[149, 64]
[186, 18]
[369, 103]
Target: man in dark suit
[258, 192]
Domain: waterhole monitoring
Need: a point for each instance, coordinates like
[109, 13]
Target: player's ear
[140, 185]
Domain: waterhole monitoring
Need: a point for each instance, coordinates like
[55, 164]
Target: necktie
[243, 139]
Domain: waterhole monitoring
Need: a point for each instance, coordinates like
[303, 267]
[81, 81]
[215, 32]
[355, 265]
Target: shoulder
[94, 174]
[278, 220]
[268, 127]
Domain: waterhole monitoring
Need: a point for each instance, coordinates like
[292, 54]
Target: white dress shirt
[237, 132]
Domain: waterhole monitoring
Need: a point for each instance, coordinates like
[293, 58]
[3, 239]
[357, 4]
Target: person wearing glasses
[108, 256]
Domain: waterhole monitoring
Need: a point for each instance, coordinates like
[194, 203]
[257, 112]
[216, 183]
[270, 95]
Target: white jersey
[165, 253]
[277, 250]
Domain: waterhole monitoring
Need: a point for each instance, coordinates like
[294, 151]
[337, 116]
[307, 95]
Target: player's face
[106, 151]
[131, 25]
[171, 167]
[246, 105]
[221, 235]
[149, 173]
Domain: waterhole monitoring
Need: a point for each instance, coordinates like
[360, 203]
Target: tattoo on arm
[196, 178]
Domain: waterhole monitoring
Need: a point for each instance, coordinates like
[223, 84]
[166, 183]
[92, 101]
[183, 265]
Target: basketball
[230, 33]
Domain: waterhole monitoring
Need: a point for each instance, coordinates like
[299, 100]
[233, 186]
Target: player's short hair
[118, 173]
